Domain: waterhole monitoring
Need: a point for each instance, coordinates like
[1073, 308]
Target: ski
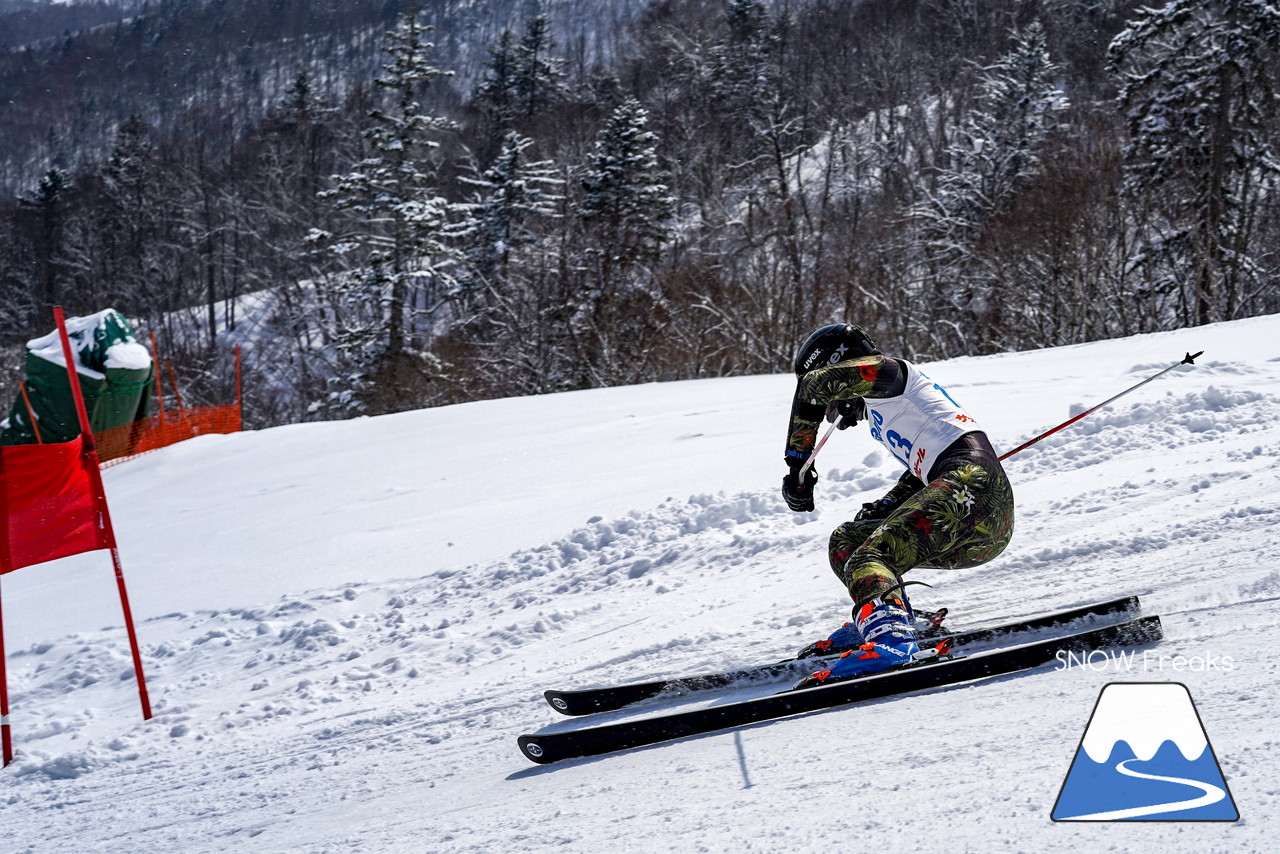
[591, 700]
[550, 747]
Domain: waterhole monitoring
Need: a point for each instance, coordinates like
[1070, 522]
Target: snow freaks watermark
[1120, 661]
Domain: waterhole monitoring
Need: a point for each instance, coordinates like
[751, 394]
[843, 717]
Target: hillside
[579, 194]
[347, 624]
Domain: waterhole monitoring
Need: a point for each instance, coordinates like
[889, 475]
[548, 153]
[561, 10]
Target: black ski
[556, 746]
[590, 700]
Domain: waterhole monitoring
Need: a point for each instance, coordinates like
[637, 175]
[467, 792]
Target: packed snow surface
[345, 626]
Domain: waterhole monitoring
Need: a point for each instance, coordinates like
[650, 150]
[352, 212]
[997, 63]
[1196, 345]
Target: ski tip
[533, 750]
[558, 702]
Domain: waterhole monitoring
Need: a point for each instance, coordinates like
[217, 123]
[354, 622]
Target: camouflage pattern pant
[961, 519]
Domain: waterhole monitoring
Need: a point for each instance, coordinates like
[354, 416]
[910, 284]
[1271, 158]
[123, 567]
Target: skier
[952, 509]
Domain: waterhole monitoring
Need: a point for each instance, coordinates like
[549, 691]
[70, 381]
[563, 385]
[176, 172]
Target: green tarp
[115, 374]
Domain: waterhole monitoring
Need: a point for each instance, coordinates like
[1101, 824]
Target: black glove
[907, 486]
[799, 496]
[875, 510]
[850, 412]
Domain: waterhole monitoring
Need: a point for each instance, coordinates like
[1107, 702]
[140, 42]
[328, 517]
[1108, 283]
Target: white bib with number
[919, 424]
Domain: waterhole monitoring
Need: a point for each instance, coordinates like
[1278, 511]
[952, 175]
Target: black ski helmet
[838, 342]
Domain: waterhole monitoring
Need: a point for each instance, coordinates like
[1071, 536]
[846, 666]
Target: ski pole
[818, 447]
[1189, 359]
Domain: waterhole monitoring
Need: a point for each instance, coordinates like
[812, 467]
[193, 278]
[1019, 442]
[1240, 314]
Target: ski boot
[841, 640]
[848, 637]
[888, 640]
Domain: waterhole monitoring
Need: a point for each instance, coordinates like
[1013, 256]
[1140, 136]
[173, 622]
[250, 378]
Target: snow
[122, 354]
[49, 347]
[128, 355]
[346, 625]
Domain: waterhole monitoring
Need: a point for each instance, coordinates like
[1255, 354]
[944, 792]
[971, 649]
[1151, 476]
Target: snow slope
[346, 625]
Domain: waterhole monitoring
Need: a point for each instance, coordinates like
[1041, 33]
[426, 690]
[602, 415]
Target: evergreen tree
[510, 196]
[397, 217]
[626, 207]
[47, 214]
[626, 201]
[300, 103]
[495, 91]
[744, 86]
[137, 204]
[1198, 87]
[521, 80]
[739, 66]
[538, 77]
[510, 311]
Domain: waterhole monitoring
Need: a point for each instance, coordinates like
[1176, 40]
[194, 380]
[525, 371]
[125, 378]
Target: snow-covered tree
[295, 161]
[521, 79]
[301, 127]
[626, 208]
[1197, 82]
[46, 210]
[626, 200]
[538, 76]
[495, 90]
[508, 199]
[739, 66]
[136, 206]
[509, 307]
[996, 148]
[397, 217]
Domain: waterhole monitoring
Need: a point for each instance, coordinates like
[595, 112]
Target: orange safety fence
[117, 444]
[126, 441]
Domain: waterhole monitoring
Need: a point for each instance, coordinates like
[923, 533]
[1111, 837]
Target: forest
[393, 205]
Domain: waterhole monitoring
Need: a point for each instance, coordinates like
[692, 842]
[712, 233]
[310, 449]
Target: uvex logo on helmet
[836, 357]
[831, 345]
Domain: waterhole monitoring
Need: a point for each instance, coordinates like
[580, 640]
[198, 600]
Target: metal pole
[31, 413]
[155, 373]
[239, 391]
[6, 737]
[1189, 359]
[818, 447]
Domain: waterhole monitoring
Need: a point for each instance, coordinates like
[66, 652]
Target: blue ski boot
[842, 639]
[848, 637]
[888, 640]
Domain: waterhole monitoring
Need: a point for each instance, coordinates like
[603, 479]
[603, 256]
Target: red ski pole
[1189, 359]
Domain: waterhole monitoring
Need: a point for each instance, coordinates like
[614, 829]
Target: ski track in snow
[381, 716]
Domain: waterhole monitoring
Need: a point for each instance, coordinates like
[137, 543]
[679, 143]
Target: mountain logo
[1145, 757]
